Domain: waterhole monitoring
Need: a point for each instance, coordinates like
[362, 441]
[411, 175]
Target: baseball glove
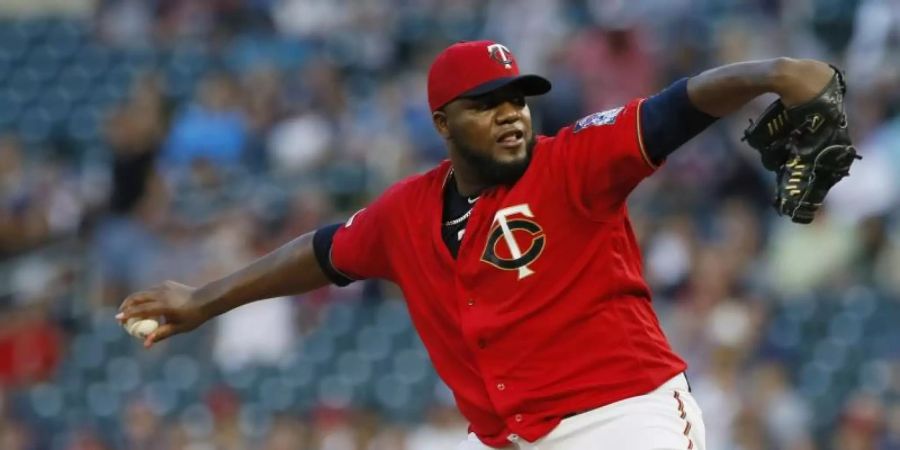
[807, 146]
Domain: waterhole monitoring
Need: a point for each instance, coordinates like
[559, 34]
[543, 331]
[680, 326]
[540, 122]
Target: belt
[575, 413]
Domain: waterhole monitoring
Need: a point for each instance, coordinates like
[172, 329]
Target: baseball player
[516, 258]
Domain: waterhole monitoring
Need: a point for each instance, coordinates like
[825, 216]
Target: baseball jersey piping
[640, 138]
[331, 262]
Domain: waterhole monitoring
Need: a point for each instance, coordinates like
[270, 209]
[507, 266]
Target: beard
[492, 171]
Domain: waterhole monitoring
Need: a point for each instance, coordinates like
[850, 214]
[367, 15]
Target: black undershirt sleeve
[669, 119]
[322, 247]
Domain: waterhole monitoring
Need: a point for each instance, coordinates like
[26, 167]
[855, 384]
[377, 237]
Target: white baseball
[141, 328]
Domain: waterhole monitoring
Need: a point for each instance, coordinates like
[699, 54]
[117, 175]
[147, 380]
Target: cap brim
[529, 84]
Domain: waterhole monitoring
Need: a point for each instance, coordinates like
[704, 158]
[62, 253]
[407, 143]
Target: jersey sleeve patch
[607, 117]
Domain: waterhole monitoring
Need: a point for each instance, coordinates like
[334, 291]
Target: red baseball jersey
[545, 311]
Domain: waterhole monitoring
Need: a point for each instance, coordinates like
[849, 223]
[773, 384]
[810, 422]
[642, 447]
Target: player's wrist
[207, 301]
[798, 81]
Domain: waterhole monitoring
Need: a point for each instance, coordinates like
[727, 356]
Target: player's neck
[467, 181]
[466, 186]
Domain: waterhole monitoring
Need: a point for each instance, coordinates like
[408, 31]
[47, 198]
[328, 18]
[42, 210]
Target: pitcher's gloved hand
[807, 146]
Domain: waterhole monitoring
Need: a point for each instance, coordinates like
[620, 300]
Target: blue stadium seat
[411, 366]
[43, 63]
[94, 59]
[12, 107]
[831, 353]
[85, 122]
[35, 124]
[87, 351]
[182, 372]
[65, 37]
[75, 80]
[340, 319]
[198, 421]
[846, 326]
[101, 400]
[276, 395]
[123, 373]
[254, 421]
[393, 317]
[373, 344]
[47, 400]
[241, 379]
[25, 85]
[16, 40]
[336, 392]
[298, 371]
[160, 397]
[354, 368]
[319, 348]
[875, 376]
[860, 301]
[814, 379]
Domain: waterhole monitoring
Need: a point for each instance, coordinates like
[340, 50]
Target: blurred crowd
[241, 124]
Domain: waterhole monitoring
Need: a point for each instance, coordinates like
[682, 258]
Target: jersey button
[482, 343]
[471, 302]
[501, 387]
[519, 418]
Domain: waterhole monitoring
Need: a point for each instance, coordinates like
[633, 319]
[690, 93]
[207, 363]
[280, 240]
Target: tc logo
[501, 54]
[504, 229]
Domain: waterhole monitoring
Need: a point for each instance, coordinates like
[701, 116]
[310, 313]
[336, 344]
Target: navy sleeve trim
[322, 241]
[669, 119]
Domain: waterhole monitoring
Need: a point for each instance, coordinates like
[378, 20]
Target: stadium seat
[197, 420]
[47, 400]
[254, 421]
[319, 348]
[411, 366]
[393, 317]
[373, 343]
[276, 395]
[353, 367]
[101, 400]
[87, 351]
[123, 373]
[298, 371]
[160, 397]
[181, 372]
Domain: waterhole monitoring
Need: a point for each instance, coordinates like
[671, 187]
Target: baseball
[141, 328]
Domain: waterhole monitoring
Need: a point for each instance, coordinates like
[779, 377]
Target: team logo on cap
[524, 240]
[501, 54]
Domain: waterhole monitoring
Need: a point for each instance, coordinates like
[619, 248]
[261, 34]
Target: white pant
[666, 419]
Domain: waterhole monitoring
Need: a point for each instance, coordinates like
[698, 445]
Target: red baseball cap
[467, 69]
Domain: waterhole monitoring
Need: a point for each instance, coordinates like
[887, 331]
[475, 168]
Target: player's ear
[439, 118]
